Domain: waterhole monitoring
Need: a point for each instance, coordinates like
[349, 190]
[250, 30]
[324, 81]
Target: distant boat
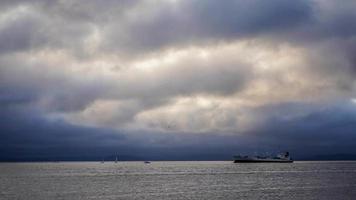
[280, 158]
[147, 162]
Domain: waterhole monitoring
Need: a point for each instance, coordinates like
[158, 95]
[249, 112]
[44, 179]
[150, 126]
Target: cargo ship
[280, 158]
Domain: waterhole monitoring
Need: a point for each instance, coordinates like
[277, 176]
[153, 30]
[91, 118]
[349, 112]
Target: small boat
[147, 162]
[280, 158]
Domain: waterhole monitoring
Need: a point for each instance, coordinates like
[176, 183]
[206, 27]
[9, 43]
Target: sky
[176, 79]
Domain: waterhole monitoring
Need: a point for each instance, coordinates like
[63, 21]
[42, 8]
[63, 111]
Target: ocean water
[178, 180]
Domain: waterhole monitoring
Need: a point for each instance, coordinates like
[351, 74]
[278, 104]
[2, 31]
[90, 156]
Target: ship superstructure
[280, 158]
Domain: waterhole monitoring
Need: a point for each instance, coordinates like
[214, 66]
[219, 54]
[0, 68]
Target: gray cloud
[144, 27]
[318, 128]
[193, 22]
[19, 32]
[135, 27]
[26, 135]
[269, 72]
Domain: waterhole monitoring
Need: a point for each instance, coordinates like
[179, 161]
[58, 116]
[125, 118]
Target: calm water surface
[177, 180]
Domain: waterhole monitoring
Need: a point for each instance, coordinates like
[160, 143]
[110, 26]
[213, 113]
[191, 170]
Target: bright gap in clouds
[198, 89]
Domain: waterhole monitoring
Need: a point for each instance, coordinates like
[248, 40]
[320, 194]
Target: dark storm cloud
[36, 82]
[194, 22]
[144, 26]
[330, 20]
[136, 27]
[24, 81]
[28, 136]
[317, 128]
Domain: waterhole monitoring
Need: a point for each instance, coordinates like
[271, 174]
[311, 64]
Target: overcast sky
[176, 79]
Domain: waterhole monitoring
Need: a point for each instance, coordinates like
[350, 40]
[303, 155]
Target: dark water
[178, 180]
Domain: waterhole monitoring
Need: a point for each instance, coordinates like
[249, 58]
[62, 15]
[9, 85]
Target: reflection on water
[178, 180]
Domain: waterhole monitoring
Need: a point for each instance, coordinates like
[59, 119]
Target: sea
[178, 180]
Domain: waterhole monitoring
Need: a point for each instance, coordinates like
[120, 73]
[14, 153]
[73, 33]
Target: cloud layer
[177, 72]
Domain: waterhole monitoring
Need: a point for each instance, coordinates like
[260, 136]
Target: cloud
[136, 27]
[318, 127]
[175, 71]
[185, 23]
[27, 135]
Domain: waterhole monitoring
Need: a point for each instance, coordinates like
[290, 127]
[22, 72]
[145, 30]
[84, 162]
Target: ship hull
[262, 161]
